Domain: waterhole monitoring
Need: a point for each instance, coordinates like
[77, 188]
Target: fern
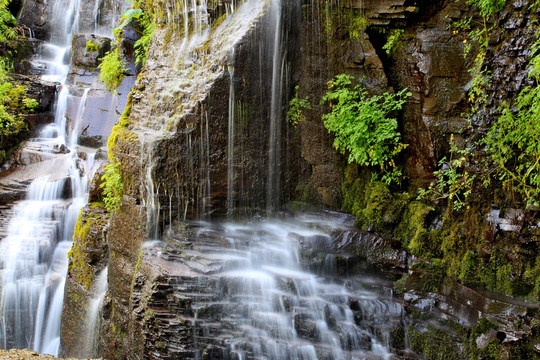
[363, 126]
[112, 69]
[113, 188]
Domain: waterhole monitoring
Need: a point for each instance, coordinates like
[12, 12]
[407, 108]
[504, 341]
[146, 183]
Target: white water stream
[33, 255]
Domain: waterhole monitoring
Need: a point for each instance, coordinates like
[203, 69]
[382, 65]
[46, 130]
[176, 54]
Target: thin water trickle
[231, 143]
[274, 141]
[92, 316]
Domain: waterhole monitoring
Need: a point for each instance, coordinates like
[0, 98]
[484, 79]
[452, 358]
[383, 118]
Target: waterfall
[94, 307]
[230, 144]
[274, 141]
[33, 255]
[266, 303]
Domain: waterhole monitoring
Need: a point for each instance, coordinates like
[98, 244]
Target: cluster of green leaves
[488, 7]
[148, 24]
[363, 125]
[295, 115]
[392, 41]
[513, 142]
[453, 180]
[13, 103]
[112, 66]
[478, 33]
[91, 46]
[113, 187]
[7, 22]
[112, 69]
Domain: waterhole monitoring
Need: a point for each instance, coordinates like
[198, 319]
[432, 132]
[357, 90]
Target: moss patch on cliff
[460, 244]
[87, 240]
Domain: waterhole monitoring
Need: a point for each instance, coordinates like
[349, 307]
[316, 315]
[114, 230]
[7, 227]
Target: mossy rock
[412, 228]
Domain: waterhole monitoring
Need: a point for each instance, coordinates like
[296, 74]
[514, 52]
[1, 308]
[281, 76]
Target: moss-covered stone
[434, 344]
[88, 244]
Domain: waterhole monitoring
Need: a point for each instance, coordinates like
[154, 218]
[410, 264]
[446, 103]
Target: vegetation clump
[7, 22]
[513, 142]
[363, 125]
[453, 180]
[113, 69]
[113, 187]
[392, 41]
[91, 46]
[297, 105]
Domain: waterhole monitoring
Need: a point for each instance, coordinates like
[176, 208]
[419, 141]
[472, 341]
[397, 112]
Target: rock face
[88, 49]
[95, 17]
[178, 161]
[190, 91]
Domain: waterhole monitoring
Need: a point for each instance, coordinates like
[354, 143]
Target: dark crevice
[15, 7]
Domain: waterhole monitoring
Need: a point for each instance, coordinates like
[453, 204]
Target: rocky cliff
[203, 111]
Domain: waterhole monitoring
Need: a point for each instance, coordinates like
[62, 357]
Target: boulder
[88, 49]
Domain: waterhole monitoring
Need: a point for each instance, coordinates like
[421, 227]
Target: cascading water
[39, 234]
[249, 278]
[92, 316]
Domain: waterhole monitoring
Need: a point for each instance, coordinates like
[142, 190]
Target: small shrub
[513, 142]
[488, 7]
[295, 115]
[453, 180]
[363, 126]
[91, 46]
[113, 188]
[7, 22]
[112, 69]
[148, 25]
[392, 42]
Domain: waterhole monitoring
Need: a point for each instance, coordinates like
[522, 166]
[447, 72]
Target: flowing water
[33, 255]
[254, 280]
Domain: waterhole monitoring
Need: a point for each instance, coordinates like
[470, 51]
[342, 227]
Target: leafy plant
[148, 25]
[392, 42]
[113, 188]
[488, 7]
[7, 22]
[363, 126]
[295, 115]
[91, 46]
[112, 69]
[127, 17]
[453, 180]
[513, 142]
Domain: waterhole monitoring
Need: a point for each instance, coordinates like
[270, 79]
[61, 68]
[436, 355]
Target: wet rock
[36, 14]
[88, 49]
[87, 258]
[43, 91]
[483, 340]
[61, 149]
[354, 244]
[25, 354]
[95, 191]
[93, 141]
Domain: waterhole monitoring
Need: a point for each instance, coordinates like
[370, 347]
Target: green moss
[78, 266]
[469, 264]
[91, 46]
[434, 344]
[412, 229]
[493, 349]
[378, 198]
